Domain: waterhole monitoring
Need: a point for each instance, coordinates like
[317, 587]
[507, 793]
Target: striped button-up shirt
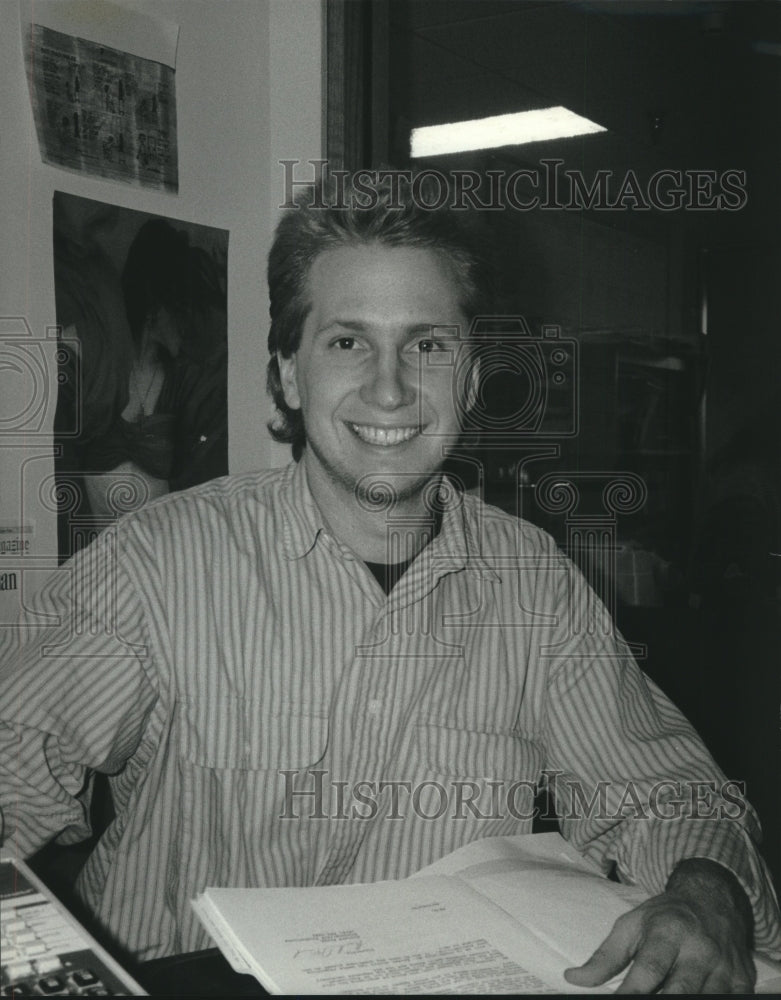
[269, 717]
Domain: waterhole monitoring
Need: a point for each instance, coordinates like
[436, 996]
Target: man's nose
[391, 383]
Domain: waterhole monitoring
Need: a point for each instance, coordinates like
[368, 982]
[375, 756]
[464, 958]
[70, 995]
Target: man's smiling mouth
[385, 437]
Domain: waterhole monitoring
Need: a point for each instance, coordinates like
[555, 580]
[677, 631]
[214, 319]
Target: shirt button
[374, 706]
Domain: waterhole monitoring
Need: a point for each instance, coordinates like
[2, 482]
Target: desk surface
[196, 974]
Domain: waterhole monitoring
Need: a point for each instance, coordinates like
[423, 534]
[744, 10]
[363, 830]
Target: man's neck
[383, 535]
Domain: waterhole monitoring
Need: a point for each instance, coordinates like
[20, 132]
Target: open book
[500, 915]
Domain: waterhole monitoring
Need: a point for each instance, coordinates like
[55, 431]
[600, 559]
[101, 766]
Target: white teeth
[384, 436]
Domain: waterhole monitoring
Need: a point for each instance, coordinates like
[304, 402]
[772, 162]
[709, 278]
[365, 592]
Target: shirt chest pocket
[236, 734]
[465, 753]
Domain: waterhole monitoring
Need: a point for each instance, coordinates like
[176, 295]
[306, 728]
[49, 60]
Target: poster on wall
[141, 307]
[102, 111]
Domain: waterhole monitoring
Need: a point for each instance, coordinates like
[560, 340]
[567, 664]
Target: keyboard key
[17, 970]
[49, 963]
[84, 977]
[50, 985]
[63, 939]
[24, 937]
[45, 920]
[35, 949]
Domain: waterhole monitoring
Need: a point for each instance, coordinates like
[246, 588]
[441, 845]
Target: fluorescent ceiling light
[499, 130]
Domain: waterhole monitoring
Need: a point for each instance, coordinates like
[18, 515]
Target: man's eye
[427, 346]
[345, 343]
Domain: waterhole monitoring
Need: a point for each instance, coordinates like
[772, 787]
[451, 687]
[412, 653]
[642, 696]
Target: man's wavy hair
[392, 213]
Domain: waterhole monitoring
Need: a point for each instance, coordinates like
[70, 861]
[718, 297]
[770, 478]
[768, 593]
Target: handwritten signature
[336, 950]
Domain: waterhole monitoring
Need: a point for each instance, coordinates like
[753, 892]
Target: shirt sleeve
[75, 693]
[632, 781]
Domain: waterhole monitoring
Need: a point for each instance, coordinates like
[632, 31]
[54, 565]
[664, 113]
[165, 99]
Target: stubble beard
[376, 490]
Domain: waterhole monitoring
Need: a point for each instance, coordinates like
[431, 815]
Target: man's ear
[289, 380]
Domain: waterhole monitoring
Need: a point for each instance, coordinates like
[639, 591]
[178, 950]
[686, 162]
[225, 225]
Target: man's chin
[385, 490]
[378, 489]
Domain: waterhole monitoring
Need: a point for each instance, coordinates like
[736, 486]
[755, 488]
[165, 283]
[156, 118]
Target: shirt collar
[457, 543]
[302, 521]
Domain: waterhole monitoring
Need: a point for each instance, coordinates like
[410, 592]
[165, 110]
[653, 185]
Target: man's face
[372, 402]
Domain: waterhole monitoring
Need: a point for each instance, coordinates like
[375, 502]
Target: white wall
[249, 92]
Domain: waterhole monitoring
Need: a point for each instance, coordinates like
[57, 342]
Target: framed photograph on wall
[141, 305]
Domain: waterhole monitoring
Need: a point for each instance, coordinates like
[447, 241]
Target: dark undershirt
[389, 574]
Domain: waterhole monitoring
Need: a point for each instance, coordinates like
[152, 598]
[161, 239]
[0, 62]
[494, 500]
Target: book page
[424, 935]
[542, 882]
[519, 852]
[500, 915]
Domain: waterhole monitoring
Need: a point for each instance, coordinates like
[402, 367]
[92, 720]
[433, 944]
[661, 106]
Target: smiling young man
[340, 671]
[376, 415]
